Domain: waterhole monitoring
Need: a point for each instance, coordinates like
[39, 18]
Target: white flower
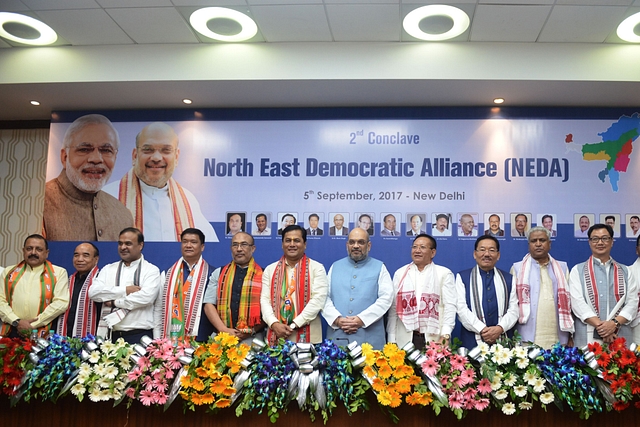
[501, 394]
[85, 369]
[520, 391]
[105, 394]
[511, 380]
[520, 352]
[499, 375]
[103, 383]
[502, 355]
[108, 346]
[119, 385]
[546, 398]
[484, 348]
[525, 405]
[522, 363]
[496, 384]
[95, 395]
[538, 386]
[509, 408]
[94, 356]
[110, 372]
[78, 389]
[530, 378]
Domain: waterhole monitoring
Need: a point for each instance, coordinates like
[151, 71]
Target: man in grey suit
[337, 229]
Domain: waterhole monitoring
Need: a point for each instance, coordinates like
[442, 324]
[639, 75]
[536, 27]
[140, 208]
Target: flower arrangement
[392, 378]
[103, 375]
[13, 362]
[516, 382]
[57, 362]
[268, 383]
[209, 379]
[621, 368]
[154, 373]
[458, 379]
[571, 380]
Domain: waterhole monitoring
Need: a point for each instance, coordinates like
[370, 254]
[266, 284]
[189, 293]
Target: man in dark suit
[338, 229]
[313, 229]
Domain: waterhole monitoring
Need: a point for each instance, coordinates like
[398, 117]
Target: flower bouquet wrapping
[13, 362]
[571, 380]
[516, 381]
[621, 369]
[55, 362]
[157, 366]
[209, 378]
[392, 379]
[103, 376]
[456, 377]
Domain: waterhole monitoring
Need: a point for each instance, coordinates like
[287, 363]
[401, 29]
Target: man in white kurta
[604, 293]
[424, 303]
[635, 271]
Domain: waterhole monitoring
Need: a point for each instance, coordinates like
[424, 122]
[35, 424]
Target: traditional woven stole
[408, 304]
[103, 329]
[47, 287]
[249, 310]
[279, 283]
[192, 301]
[475, 295]
[619, 285]
[86, 319]
[130, 194]
[523, 289]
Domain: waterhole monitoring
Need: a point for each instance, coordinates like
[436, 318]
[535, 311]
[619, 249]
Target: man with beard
[128, 290]
[75, 207]
[360, 293]
[161, 207]
[33, 293]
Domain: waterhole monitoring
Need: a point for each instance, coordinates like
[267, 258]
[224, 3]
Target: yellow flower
[390, 349]
[378, 384]
[396, 359]
[384, 398]
[369, 371]
[384, 371]
[223, 403]
[207, 398]
[226, 339]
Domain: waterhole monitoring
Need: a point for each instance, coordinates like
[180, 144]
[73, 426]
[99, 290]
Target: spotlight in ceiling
[498, 100]
[187, 101]
[411, 22]
[14, 25]
[626, 29]
[34, 102]
[201, 18]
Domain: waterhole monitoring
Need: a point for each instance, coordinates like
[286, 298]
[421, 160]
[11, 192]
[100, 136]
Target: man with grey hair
[542, 288]
[75, 207]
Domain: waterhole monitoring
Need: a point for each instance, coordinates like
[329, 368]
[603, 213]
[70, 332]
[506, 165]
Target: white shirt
[105, 288]
[158, 221]
[265, 232]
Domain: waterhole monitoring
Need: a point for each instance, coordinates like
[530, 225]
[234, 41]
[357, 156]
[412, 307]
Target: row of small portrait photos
[464, 224]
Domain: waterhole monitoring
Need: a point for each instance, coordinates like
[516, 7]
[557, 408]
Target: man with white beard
[75, 207]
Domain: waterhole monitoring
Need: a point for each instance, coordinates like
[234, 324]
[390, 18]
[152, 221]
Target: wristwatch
[15, 323]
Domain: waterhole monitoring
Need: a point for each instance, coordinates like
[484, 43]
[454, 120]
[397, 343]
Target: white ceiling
[125, 54]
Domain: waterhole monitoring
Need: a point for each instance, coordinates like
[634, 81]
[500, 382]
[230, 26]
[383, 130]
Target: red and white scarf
[302, 291]
[420, 312]
[193, 300]
[619, 286]
[523, 290]
[86, 318]
[130, 194]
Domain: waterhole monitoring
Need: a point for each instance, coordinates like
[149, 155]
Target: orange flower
[226, 380]
[414, 380]
[202, 372]
[185, 381]
[384, 398]
[207, 398]
[227, 340]
[200, 351]
[196, 399]
[381, 361]
[397, 359]
[223, 403]
[403, 371]
[228, 391]
[369, 371]
[396, 399]
[197, 384]
[378, 384]
[385, 371]
[214, 375]
[426, 398]
[217, 387]
[403, 386]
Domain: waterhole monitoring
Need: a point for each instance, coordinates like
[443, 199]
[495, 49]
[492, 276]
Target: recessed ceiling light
[47, 35]
[36, 103]
[411, 22]
[626, 29]
[187, 101]
[498, 100]
[201, 17]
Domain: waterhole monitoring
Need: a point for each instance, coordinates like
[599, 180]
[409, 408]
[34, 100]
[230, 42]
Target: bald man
[167, 208]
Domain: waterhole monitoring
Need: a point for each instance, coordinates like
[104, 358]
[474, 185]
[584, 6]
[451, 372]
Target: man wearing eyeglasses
[604, 293]
[487, 303]
[75, 207]
[161, 207]
[232, 300]
[179, 313]
[360, 293]
[543, 293]
[424, 307]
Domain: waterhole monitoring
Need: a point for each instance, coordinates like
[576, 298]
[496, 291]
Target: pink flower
[456, 399]
[457, 362]
[169, 374]
[482, 404]
[130, 392]
[470, 393]
[160, 398]
[160, 385]
[485, 386]
[174, 363]
[147, 382]
[444, 380]
[467, 376]
[430, 367]
[146, 397]
[135, 374]
[144, 362]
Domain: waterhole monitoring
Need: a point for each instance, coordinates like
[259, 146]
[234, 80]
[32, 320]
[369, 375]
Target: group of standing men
[597, 300]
